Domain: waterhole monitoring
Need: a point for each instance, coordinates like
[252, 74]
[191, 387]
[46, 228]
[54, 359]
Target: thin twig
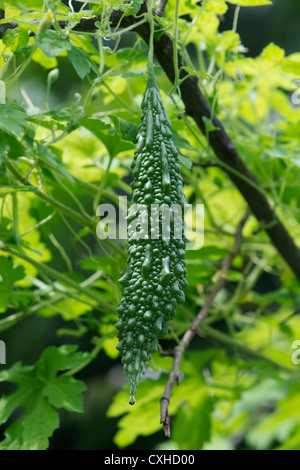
[190, 333]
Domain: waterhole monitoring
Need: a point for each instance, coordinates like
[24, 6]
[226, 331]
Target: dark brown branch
[161, 8]
[197, 107]
[190, 333]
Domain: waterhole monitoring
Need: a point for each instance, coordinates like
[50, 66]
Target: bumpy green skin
[155, 274]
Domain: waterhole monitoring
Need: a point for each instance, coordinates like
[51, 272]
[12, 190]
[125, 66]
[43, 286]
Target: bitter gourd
[155, 274]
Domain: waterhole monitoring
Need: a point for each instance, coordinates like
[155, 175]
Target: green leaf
[54, 359]
[39, 425]
[34, 4]
[68, 308]
[129, 130]
[41, 392]
[24, 52]
[65, 392]
[96, 126]
[79, 61]
[199, 274]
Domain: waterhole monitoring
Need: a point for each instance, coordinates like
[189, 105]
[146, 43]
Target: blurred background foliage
[97, 428]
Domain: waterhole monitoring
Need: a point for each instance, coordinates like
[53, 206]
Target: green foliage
[154, 277]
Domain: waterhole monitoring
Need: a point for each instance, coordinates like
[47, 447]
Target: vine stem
[59, 276]
[235, 19]
[102, 184]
